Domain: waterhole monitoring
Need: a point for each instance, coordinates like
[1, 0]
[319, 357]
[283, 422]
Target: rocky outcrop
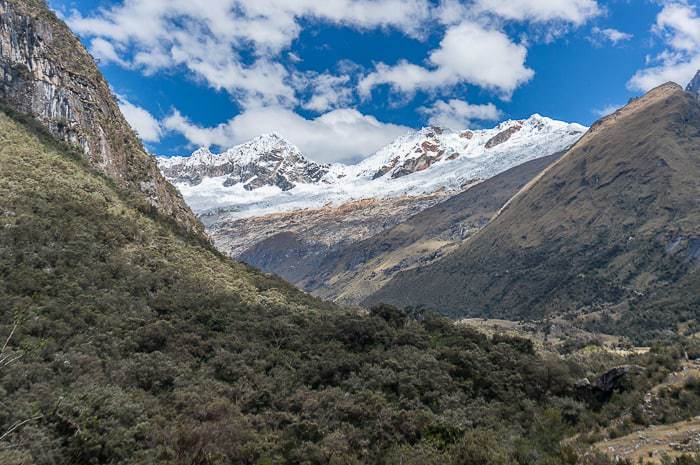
[428, 150]
[503, 136]
[694, 86]
[615, 379]
[47, 73]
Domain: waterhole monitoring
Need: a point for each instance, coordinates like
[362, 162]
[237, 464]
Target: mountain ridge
[418, 163]
[266, 160]
[624, 191]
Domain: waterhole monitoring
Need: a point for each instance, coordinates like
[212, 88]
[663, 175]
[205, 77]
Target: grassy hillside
[612, 229]
[135, 343]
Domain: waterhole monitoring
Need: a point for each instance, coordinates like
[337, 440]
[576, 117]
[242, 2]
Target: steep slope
[47, 73]
[131, 342]
[350, 271]
[615, 221]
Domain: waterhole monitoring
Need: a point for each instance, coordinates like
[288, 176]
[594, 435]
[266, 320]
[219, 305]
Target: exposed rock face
[615, 379]
[694, 85]
[426, 150]
[47, 73]
[268, 160]
[503, 136]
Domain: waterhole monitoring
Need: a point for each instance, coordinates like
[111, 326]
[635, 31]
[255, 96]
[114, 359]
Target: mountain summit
[267, 160]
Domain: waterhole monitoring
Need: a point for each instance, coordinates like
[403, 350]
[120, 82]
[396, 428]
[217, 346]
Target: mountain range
[508, 222]
[264, 203]
[270, 175]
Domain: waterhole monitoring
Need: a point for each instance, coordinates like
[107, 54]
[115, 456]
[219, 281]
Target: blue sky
[341, 78]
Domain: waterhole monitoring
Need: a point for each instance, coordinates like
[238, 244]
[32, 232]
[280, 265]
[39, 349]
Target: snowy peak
[267, 160]
[270, 175]
[417, 151]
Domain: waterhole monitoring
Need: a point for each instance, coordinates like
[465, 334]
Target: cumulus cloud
[607, 110]
[458, 114]
[144, 123]
[495, 63]
[327, 91]
[210, 39]
[339, 135]
[576, 12]
[678, 25]
[609, 35]
[245, 47]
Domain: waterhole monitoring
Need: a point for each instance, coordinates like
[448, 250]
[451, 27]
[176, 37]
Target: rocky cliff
[47, 73]
[694, 85]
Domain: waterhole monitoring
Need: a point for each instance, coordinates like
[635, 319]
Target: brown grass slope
[616, 219]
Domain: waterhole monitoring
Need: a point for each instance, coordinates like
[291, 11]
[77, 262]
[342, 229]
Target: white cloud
[607, 110]
[576, 12]
[679, 25]
[564, 12]
[335, 136]
[458, 114]
[105, 51]
[144, 123]
[610, 35]
[328, 92]
[209, 37]
[469, 53]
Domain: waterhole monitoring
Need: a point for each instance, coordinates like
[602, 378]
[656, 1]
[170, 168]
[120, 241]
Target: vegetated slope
[139, 344]
[615, 221]
[45, 71]
[351, 272]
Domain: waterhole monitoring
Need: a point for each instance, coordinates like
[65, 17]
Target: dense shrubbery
[143, 345]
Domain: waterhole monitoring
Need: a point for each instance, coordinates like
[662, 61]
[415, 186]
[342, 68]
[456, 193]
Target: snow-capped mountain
[270, 175]
[267, 160]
